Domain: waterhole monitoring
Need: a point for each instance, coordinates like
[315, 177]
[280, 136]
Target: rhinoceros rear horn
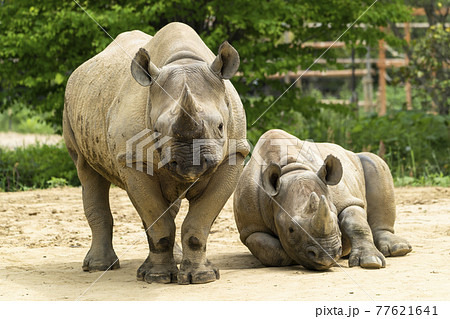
[226, 62]
[322, 222]
[142, 69]
[313, 202]
[331, 171]
[271, 179]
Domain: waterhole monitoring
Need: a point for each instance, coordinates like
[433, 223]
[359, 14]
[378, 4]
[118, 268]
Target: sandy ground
[44, 237]
[13, 139]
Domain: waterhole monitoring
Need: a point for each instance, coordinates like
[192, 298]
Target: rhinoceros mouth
[320, 254]
[189, 162]
[322, 264]
[321, 259]
[190, 176]
[319, 267]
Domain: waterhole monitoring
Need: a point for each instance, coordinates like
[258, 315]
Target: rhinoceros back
[90, 93]
[175, 41]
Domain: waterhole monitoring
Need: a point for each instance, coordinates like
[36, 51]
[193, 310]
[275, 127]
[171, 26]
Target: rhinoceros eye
[221, 127]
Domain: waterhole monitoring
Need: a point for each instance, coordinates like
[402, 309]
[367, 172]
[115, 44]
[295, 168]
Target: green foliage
[36, 166]
[57, 182]
[424, 180]
[44, 41]
[20, 118]
[34, 125]
[428, 69]
[415, 143]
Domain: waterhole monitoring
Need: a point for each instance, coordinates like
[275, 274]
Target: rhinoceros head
[188, 102]
[304, 215]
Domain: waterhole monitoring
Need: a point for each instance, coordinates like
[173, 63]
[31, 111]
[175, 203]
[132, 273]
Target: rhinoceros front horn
[188, 124]
[187, 101]
[322, 222]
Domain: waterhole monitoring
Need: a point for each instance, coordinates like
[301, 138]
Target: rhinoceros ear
[271, 179]
[227, 61]
[142, 69]
[331, 171]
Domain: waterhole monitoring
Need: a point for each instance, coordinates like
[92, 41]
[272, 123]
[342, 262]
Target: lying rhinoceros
[174, 97]
[295, 197]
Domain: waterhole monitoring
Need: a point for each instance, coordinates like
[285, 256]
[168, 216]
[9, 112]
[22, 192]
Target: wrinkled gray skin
[177, 87]
[294, 208]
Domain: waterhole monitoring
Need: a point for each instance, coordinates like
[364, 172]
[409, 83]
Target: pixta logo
[141, 147]
[144, 144]
[140, 151]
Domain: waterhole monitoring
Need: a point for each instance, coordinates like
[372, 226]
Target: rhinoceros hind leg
[381, 209]
[268, 250]
[390, 244]
[95, 192]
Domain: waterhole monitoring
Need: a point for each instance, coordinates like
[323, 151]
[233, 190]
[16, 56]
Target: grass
[432, 180]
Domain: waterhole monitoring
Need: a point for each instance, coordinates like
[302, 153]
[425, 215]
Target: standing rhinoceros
[174, 93]
[295, 197]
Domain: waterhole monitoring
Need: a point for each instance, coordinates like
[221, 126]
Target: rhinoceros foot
[367, 257]
[105, 260]
[197, 274]
[163, 274]
[390, 244]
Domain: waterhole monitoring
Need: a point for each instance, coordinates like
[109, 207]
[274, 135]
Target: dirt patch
[44, 237]
[14, 140]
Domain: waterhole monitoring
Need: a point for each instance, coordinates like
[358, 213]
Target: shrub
[415, 143]
[20, 117]
[57, 182]
[36, 166]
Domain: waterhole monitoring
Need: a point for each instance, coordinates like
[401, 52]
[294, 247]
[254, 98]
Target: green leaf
[59, 78]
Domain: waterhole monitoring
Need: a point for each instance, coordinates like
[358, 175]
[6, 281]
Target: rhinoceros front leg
[203, 210]
[268, 250]
[158, 218]
[354, 226]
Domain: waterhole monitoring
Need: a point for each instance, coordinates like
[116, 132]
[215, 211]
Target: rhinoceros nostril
[312, 253]
[208, 161]
[173, 165]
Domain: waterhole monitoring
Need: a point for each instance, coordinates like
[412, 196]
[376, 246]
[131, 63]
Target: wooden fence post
[408, 84]
[381, 77]
[367, 84]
